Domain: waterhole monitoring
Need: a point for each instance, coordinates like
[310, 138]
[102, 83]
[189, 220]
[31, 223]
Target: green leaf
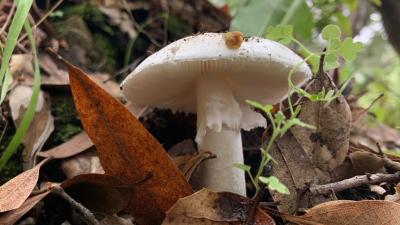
[281, 33]
[274, 184]
[349, 49]
[331, 32]
[243, 167]
[30, 111]
[302, 124]
[255, 104]
[265, 108]
[279, 117]
[15, 29]
[331, 61]
[254, 17]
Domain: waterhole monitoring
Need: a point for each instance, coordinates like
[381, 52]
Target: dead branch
[87, 214]
[353, 182]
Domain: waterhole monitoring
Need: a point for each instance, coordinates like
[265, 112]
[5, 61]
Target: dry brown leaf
[10, 217]
[213, 208]
[83, 163]
[185, 147]
[115, 220]
[20, 64]
[14, 193]
[296, 171]
[365, 162]
[328, 145]
[368, 212]
[127, 150]
[74, 146]
[99, 192]
[41, 126]
[119, 17]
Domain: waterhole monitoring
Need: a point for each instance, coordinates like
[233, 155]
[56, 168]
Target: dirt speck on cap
[233, 40]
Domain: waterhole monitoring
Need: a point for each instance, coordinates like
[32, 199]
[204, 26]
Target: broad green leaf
[299, 15]
[349, 49]
[281, 33]
[254, 17]
[274, 184]
[242, 167]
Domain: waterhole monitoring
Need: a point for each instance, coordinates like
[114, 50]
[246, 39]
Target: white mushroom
[208, 75]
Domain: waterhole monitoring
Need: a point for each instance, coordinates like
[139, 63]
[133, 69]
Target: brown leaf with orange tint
[127, 150]
[12, 216]
[214, 208]
[14, 193]
[342, 212]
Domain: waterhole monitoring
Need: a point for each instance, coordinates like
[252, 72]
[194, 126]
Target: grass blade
[30, 111]
[21, 14]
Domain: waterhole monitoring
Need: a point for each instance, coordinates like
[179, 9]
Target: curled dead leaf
[328, 145]
[214, 208]
[368, 212]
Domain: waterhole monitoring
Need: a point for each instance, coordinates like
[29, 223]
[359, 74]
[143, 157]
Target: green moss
[85, 26]
[14, 165]
[66, 121]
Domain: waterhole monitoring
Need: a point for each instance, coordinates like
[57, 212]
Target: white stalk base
[219, 174]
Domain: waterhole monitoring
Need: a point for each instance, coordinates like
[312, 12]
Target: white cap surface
[258, 70]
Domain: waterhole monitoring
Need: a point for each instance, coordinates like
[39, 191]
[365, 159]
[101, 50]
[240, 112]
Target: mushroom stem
[218, 130]
[219, 174]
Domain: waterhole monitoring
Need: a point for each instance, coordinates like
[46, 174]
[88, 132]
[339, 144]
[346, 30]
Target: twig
[9, 16]
[139, 27]
[388, 162]
[42, 19]
[354, 182]
[87, 214]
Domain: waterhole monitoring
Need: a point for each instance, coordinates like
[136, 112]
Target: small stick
[353, 182]
[87, 214]
[388, 162]
[8, 20]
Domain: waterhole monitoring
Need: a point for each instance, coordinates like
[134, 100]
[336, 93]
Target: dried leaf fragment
[214, 208]
[368, 212]
[14, 193]
[74, 146]
[328, 145]
[12, 216]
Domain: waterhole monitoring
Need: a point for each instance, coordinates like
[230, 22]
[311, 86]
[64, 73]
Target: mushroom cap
[257, 70]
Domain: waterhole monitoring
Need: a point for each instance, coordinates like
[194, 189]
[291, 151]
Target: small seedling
[335, 49]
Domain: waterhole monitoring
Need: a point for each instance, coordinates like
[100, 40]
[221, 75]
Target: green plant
[347, 49]
[335, 47]
[19, 20]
